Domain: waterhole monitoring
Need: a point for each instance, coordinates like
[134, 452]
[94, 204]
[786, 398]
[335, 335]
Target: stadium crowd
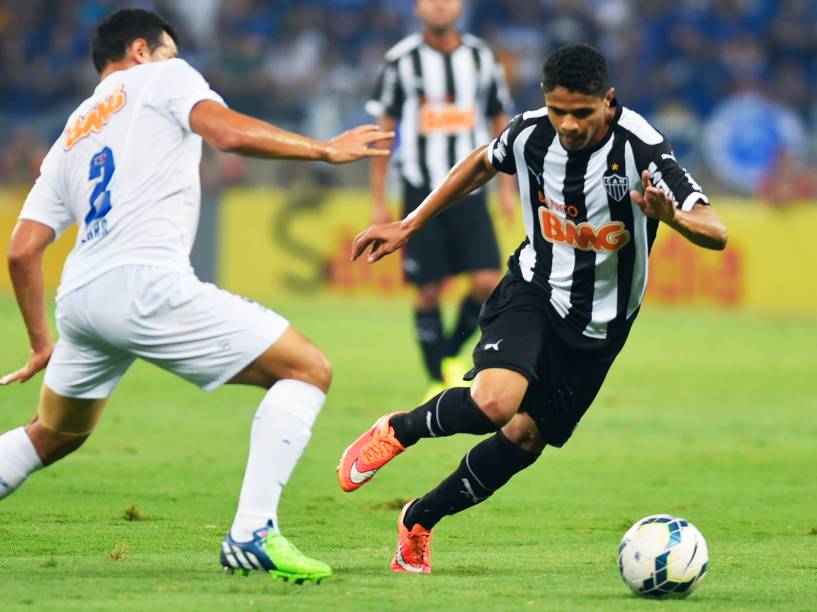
[310, 64]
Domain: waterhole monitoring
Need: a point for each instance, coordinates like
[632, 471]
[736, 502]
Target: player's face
[438, 14]
[580, 119]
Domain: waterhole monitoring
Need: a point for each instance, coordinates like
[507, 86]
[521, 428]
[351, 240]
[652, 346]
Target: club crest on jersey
[96, 119]
[616, 186]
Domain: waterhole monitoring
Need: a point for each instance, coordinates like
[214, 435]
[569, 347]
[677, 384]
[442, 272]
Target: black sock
[467, 323]
[483, 470]
[451, 412]
[429, 327]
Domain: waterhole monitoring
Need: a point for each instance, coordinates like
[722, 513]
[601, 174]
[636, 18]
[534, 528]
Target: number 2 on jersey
[102, 167]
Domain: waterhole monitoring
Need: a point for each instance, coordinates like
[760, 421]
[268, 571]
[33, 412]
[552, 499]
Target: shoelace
[420, 539]
[379, 449]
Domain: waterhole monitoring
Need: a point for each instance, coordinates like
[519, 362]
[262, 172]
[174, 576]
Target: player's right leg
[60, 426]
[505, 362]
[493, 400]
[81, 374]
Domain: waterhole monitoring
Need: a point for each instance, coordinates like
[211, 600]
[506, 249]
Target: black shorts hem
[530, 376]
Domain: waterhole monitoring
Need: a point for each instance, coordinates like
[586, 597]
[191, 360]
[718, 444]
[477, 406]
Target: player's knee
[524, 433]
[322, 372]
[428, 296]
[315, 371]
[497, 406]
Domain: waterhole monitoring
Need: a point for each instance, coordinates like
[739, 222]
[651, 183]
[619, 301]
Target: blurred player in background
[126, 170]
[447, 93]
[595, 179]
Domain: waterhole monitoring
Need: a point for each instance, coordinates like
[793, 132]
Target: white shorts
[202, 333]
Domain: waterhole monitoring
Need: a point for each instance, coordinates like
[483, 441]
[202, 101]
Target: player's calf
[484, 469]
[488, 405]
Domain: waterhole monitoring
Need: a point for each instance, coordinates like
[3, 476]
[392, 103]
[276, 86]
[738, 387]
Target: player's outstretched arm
[28, 242]
[233, 132]
[470, 173]
[700, 225]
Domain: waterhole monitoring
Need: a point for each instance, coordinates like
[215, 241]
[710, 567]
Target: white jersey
[126, 170]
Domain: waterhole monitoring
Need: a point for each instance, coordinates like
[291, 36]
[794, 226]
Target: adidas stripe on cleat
[271, 552]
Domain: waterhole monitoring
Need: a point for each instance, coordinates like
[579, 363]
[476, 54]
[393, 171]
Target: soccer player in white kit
[126, 170]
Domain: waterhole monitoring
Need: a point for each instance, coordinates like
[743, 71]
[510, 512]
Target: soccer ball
[662, 556]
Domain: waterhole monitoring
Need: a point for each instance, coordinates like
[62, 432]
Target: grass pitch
[709, 416]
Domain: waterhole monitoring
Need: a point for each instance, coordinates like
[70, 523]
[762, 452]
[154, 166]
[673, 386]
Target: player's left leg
[297, 376]
[484, 469]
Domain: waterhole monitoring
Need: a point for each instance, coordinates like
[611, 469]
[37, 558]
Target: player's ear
[139, 51]
[608, 97]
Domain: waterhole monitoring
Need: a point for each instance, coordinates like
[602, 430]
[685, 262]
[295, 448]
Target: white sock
[18, 458]
[280, 432]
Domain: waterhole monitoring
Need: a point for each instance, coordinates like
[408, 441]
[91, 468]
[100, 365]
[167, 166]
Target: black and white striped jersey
[587, 244]
[443, 102]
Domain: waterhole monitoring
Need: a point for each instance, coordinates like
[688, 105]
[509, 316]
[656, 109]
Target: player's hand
[654, 203]
[383, 239]
[354, 144]
[381, 214]
[37, 361]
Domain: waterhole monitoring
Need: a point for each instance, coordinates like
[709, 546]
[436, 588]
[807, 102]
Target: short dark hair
[577, 67]
[117, 31]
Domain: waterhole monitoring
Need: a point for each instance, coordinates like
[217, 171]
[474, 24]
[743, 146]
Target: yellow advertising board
[277, 243]
[11, 200]
[273, 243]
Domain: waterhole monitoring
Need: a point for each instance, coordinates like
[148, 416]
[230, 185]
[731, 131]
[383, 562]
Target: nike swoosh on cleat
[359, 477]
[406, 566]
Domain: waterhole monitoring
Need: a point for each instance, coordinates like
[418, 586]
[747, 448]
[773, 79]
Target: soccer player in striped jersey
[126, 171]
[446, 94]
[596, 180]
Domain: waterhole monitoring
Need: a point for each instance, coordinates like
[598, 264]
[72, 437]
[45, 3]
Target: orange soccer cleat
[370, 452]
[413, 552]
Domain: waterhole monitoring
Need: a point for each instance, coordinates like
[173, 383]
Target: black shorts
[565, 369]
[459, 239]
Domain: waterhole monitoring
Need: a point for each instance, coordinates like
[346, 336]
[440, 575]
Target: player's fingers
[376, 136]
[645, 178]
[379, 251]
[14, 377]
[638, 199]
[367, 152]
[366, 127]
[360, 243]
[358, 247]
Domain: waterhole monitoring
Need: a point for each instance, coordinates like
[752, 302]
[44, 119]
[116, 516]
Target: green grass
[712, 416]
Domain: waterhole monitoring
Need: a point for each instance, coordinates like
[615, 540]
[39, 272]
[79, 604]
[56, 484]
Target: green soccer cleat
[271, 552]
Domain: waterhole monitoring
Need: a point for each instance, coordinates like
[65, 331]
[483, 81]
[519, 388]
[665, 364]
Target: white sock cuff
[300, 399]
[22, 446]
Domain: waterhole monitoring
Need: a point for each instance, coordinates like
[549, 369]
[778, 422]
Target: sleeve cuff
[43, 220]
[692, 199]
[191, 104]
